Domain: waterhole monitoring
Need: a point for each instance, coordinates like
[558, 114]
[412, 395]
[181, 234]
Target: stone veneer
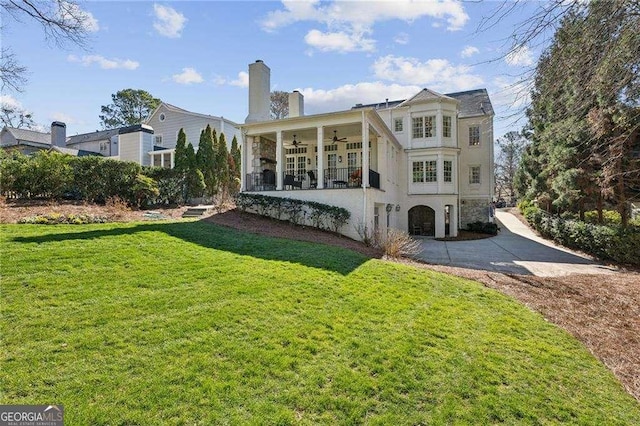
[263, 148]
[473, 210]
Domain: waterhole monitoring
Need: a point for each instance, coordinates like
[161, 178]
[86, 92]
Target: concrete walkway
[516, 250]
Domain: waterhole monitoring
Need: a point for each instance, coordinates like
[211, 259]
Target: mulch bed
[604, 314]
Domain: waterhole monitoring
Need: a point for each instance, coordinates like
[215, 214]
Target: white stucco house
[167, 120]
[428, 160]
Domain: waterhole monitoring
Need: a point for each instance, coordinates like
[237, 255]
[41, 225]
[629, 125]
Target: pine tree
[235, 155]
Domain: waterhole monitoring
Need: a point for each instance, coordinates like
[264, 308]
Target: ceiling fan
[336, 138]
[297, 143]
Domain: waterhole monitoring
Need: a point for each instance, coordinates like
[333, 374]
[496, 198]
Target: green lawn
[190, 323]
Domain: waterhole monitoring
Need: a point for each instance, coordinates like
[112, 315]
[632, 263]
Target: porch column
[365, 151]
[320, 164]
[161, 160]
[173, 159]
[279, 160]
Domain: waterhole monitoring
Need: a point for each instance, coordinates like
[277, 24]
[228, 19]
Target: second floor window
[474, 136]
[398, 125]
[424, 127]
[425, 171]
[446, 126]
[418, 171]
[157, 140]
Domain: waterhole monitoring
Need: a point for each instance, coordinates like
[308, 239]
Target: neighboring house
[131, 143]
[30, 141]
[167, 120]
[428, 160]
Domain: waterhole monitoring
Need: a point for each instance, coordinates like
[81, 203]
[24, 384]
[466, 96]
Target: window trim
[162, 117]
[427, 129]
[445, 127]
[444, 171]
[397, 121]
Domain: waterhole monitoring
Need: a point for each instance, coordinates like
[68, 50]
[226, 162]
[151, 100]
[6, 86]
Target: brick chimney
[259, 92]
[296, 104]
[58, 134]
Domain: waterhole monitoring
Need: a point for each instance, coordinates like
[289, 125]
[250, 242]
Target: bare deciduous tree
[62, 21]
[279, 104]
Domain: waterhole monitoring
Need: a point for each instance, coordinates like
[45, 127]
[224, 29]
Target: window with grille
[448, 171]
[417, 127]
[474, 175]
[290, 165]
[302, 167]
[418, 171]
[431, 171]
[157, 140]
[446, 126]
[474, 136]
[398, 125]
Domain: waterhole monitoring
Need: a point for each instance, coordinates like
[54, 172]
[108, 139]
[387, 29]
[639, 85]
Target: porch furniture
[339, 184]
[426, 228]
[313, 181]
[417, 230]
[290, 180]
[268, 179]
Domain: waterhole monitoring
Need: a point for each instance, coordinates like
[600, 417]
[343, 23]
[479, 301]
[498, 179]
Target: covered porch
[324, 151]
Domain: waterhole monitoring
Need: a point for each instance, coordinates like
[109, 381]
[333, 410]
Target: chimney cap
[296, 91]
[259, 60]
[59, 124]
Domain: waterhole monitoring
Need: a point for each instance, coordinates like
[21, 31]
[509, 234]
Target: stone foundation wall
[473, 210]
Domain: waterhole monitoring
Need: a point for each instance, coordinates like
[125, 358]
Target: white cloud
[520, 56]
[469, 51]
[65, 118]
[346, 96]
[188, 76]
[361, 14]
[437, 74]
[73, 14]
[169, 22]
[401, 38]
[349, 21]
[104, 63]
[339, 41]
[8, 101]
[241, 81]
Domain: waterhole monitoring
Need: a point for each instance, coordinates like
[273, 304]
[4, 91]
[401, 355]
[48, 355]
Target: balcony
[334, 178]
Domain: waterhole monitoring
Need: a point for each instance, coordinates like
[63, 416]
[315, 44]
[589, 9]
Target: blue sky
[195, 54]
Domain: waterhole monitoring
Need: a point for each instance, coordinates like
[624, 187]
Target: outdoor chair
[290, 180]
[313, 181]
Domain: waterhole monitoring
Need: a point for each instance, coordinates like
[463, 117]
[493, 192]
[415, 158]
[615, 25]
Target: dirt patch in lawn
[11, 211]
[604, 314]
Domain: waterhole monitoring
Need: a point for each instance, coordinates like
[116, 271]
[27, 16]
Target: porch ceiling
[308, 136]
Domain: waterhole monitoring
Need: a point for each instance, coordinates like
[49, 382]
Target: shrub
[614, 242]
[483, 227]
[61, 219]
[320, 215]
[399, 244]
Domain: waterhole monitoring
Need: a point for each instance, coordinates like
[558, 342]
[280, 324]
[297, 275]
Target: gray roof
[30, 135]
[93, 136]
[75, 152]
[472, 102]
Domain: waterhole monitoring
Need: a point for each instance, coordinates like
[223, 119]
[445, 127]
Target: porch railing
[334, 178]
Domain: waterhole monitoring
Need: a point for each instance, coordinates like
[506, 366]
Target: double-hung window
[474, 175]
[474, 136]
[423, 127]
[448, 171]
[425, 171]
[446, 126]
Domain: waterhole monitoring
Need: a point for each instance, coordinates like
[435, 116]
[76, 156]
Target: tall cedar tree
[222, 164]
[205, 159]
[235, 154]
[194, 178]
[181, 161]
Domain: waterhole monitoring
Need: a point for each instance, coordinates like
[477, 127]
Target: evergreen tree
[205, 159]
[194, 179]
[222, 164]
[181, 162]
[235, 155]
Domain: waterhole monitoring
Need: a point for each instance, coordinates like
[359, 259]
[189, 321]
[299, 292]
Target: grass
[190, 323]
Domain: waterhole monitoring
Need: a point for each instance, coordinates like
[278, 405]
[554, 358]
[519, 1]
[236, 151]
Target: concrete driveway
[516, 250]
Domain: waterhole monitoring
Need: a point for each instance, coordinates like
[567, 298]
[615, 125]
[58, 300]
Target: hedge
[56, 176]
[614, 242]
[298, 212]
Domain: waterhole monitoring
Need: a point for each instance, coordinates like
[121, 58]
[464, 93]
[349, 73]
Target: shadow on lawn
[220, 238]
